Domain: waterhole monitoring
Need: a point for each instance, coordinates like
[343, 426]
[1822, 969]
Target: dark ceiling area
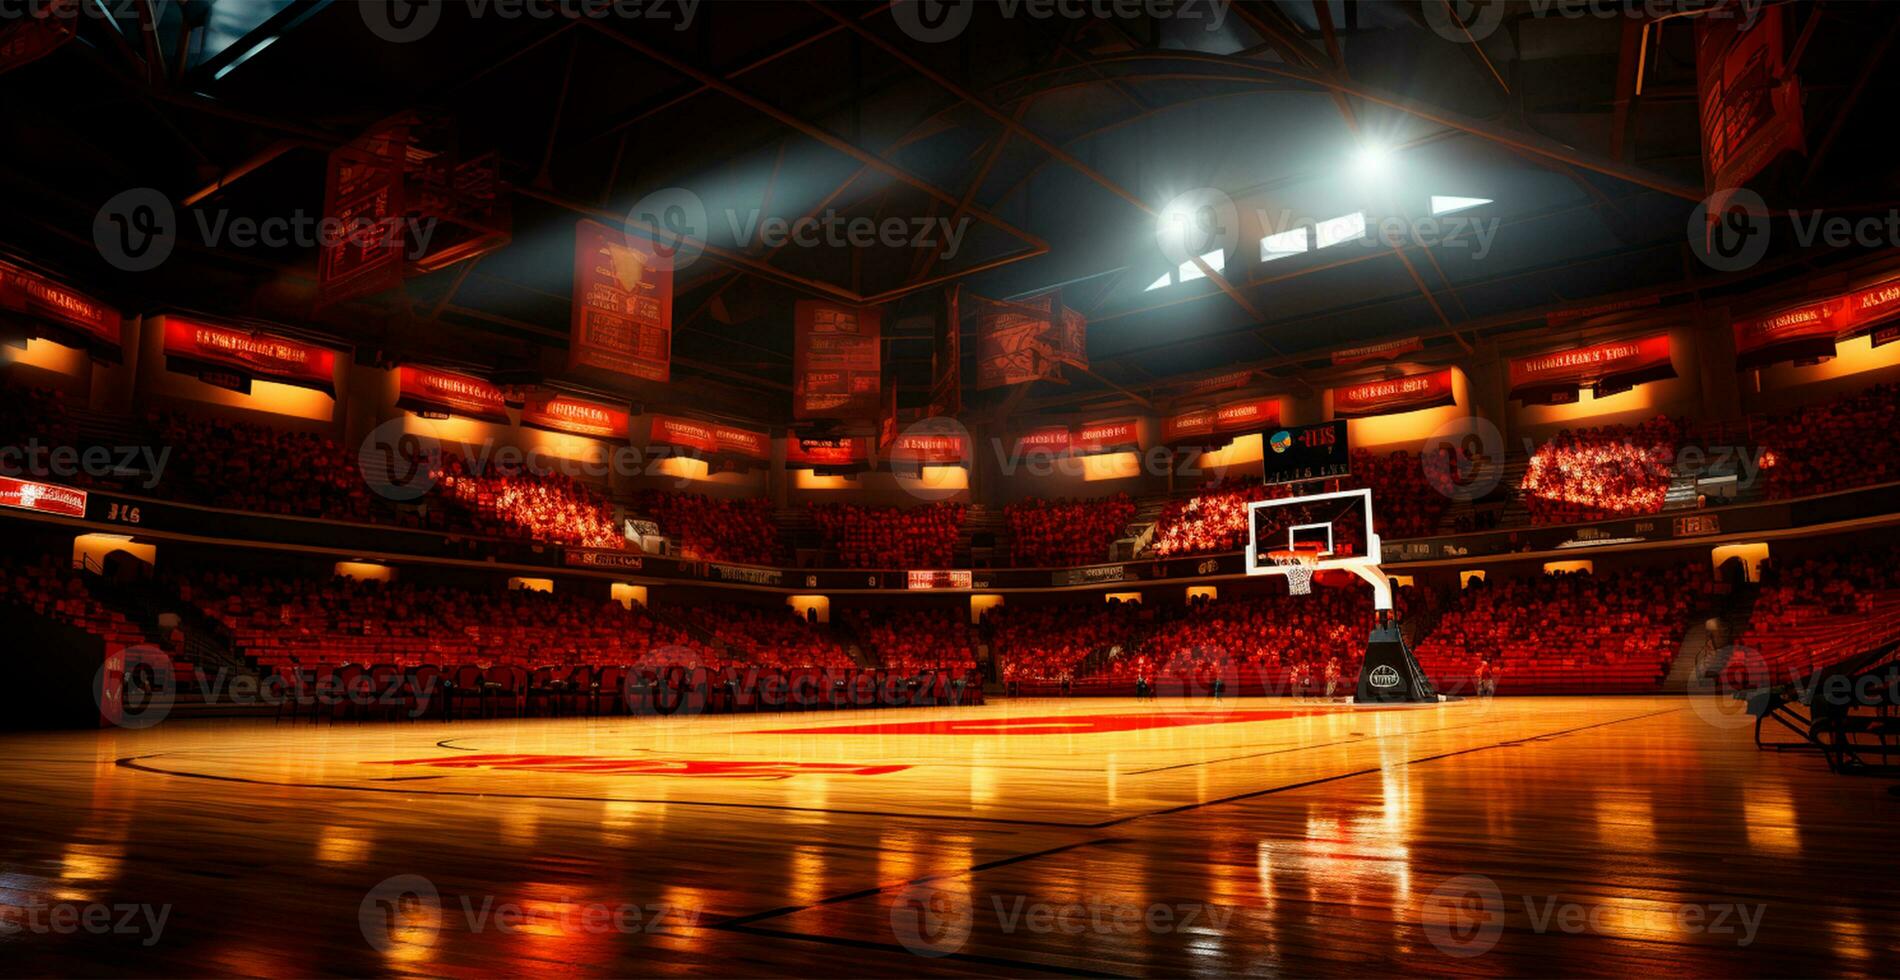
[1056, 149]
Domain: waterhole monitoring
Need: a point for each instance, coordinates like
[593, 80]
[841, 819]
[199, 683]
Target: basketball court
[1108, 837]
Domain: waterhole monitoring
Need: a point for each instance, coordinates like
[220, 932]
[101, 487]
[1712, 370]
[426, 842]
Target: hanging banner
[556, 412]
[1251, 413]
[35, 31]
[1750, 99]
[622, 319]
[837, 368]
[1189, 428]
[1797, 333]
[1394, 395]
[439, 394]
[60, 313]
[1866, 307]
[1069, 339]
[46, 498]
[930, 449]
[1051, 440]
[1383, 351]
[1109, 436]
[946, 358]
[219, 354]
[842, 452]
[749, 445]
[687, 434]
[1011, 342]
[1616, 365]
[1219, 382]
[363, 199]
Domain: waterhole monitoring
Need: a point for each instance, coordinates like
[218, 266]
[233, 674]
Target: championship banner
[622, 320]
[556, 412]
[1392, 396]
[1251, 413]
[1050, 440]
[1750, 99]
[1382, 351]
[46, 498]
[363, 195]
[1110, 436]
[930, 449]
[232, 358]
[745, 444]
[845, 452]
[1614, 366]
[689, 434]
[1191, 426]
[440, 394]
[60, 313]
[837, 368]
[37, 31]
[1797, 333]
[1012, 342]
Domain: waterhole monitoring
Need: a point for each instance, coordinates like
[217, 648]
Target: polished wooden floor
[1536, 836]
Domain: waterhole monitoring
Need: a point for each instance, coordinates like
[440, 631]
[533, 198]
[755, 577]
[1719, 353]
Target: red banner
[1394, 395]
[837, 368]
[1251, 413]
[200, 348]
[1869, 306]
[1796, 333]
[1012, 342]
[1108, 436]
[1615, 365]
[1750, 99]
[740, 443]
[930, 449]
[1188, 426]
[37, 31]
[1219, 382]
[845, 451]
[556, 412]
[46, 498]
[622, 319]
[683, 434]
[429, 392]
[363, 195]
[1382, 351]
[1050, 440]
[1069, 339]
[77, 320]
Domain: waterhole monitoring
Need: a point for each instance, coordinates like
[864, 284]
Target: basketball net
[1299, 565]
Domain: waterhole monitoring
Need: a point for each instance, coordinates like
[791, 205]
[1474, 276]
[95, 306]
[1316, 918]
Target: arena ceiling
[1058, 142]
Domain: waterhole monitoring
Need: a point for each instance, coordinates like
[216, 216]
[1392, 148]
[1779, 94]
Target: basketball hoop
[1299, 563]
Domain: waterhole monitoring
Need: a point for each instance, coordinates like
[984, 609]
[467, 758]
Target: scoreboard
[1300, 453]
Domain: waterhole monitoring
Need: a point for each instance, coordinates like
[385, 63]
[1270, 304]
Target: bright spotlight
[1371, 161]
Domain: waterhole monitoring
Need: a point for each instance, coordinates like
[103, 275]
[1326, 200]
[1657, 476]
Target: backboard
[1338, 524]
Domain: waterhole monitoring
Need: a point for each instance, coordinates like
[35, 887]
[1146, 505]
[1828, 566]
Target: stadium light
[1372, 161]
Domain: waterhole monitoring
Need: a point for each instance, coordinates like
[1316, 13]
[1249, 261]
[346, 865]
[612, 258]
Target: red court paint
[1047, 724]
[647, 767]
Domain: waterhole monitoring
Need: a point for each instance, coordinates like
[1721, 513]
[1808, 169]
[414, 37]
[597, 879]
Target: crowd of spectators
[257, 468]
[52, 588]
[1048, 533]
[1814, 611]
[910, 640]
[1838, 445]
[1617, 631]
[1051, 643]
[891, 537]
[548, 507]
[715, 528]
[1602, 472]
[771, 636]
